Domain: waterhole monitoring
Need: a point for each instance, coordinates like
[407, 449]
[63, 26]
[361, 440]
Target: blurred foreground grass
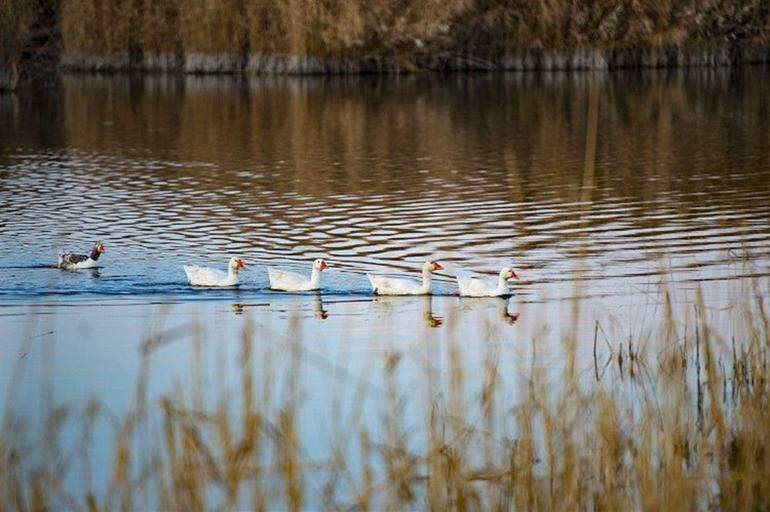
[672, 419]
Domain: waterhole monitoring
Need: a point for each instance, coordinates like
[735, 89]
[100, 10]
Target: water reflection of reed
[525, 130]
[380, 173]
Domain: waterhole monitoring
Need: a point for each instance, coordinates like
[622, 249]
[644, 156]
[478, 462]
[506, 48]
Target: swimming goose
[69, 261]
[201, 276]
[285, 281]
[382, 285]
[477, 287]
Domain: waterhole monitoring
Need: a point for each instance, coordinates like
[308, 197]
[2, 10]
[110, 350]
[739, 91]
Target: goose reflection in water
[318, 308]
[92, 272]
[500, 304]
[427, 313]
[426, 306]
[315, 303]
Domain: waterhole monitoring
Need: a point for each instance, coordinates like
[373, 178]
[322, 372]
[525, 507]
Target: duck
[382, 285]
[286, 281]
[70, 261]
[477, 287]
[202, 276]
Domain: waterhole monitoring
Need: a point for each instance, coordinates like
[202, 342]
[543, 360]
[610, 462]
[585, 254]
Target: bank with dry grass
[335, 36]
[15, 21]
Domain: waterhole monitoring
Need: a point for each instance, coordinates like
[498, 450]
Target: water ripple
[485, 185]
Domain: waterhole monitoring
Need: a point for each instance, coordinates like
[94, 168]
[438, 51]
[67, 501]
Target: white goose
[201, 276]
[476, 287]
[382, 285]
[286, 281]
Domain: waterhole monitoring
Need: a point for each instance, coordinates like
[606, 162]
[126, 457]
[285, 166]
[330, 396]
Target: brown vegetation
[680, 427]
[362, 35]
[301, 36]
[15, 19]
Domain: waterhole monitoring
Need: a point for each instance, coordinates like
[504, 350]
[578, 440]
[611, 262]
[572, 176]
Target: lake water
[377, 174]
[592, 187]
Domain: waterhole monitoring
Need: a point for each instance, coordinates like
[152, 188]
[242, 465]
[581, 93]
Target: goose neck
[315, 277]
[502, 284]
[426, 280]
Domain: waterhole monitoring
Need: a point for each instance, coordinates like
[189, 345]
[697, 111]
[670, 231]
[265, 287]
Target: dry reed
[420, 33]
[15, 20]
[680, 427]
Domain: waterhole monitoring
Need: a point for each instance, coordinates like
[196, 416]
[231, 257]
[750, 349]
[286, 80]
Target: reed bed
[673, 417]
[333, 35]
[15, 20]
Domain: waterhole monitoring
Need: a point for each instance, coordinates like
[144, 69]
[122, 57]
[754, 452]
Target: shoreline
[251, 65]
[534, 60]
[308, 38]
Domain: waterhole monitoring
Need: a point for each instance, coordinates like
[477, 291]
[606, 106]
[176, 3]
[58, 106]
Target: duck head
[98, 250]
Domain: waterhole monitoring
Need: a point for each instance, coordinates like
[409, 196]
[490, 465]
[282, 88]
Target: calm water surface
[378, 174]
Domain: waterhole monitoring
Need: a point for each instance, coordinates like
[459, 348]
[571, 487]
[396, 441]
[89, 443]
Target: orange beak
[102, 248]
[513, 275]
[324, 265]
[241, 264]
[437, 266]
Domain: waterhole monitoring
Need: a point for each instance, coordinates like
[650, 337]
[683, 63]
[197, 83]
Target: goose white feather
[477, 287]
[286, 281]
[202, 276]
[382, 285]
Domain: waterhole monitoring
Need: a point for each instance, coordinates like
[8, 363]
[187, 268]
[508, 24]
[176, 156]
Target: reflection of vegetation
[681, 428]
[531, 128]
[659, 137]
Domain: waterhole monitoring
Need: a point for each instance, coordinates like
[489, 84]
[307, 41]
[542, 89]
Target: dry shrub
[681, 428]
[407, 29]
[160, 32]
[15, 19]
[212, 27]
[98, 27]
